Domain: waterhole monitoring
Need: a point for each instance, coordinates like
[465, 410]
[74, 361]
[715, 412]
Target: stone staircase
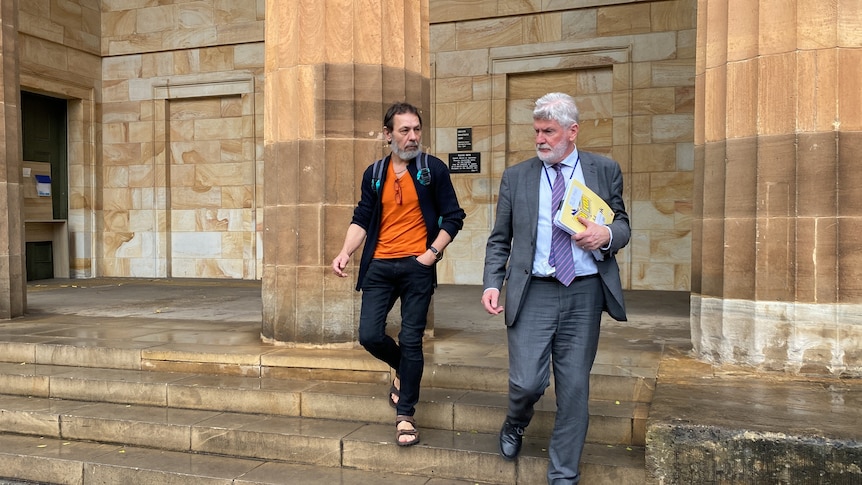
[79, 414]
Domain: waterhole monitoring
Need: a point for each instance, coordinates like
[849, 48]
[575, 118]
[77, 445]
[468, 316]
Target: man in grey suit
[557, 286]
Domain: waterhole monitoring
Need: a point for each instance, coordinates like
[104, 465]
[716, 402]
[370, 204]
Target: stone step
[609, 381]
[612, 422]
[150, 443]
[69, 462]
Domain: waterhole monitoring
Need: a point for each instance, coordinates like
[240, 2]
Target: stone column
[332, 69]
[13, 287]
[777, 242]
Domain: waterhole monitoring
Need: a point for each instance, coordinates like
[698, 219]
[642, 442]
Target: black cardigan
[437, 200]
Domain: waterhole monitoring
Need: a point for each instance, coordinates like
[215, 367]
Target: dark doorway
[40, 260]
[43, 137]
[43, 133]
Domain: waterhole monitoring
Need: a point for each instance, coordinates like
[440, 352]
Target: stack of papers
[580, 201]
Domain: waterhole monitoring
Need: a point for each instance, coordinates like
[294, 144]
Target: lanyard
[548, 177]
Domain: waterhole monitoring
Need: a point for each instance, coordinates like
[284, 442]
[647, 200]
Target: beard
[406, 153]
[557, 152]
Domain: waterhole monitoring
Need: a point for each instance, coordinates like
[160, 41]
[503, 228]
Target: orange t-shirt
[402, 228]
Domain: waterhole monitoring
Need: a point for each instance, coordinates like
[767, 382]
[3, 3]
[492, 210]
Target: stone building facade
[225, 139]
[631, 67]
[166, 178]
[166, 146]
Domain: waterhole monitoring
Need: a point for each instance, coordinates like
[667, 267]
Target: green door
[40, 260]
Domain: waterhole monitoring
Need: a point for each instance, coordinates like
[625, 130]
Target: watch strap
[437, 254]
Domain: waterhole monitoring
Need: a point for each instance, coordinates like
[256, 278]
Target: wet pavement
[226, 314]
[198, 299]
[658, 321]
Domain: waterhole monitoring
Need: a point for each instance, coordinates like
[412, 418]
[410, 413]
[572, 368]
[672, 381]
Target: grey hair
[559, 107]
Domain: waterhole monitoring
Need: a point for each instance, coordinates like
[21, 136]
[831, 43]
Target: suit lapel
[533, 178]
[588, 166]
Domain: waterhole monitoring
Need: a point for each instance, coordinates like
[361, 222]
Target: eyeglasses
[398, 191]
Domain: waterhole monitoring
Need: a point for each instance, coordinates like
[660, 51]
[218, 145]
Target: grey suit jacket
[512, 243]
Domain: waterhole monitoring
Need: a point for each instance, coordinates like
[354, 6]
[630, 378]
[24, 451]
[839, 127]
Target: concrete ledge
[711, 424]
[685, 454]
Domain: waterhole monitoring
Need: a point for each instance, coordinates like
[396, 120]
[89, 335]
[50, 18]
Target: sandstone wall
[631, 66]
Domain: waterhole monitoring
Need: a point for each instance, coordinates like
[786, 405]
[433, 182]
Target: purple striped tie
[561, 241]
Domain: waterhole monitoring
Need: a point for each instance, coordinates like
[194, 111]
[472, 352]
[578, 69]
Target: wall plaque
[464, 139]
[465, 162]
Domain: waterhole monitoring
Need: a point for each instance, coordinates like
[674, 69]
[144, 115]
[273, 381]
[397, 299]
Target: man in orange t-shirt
[406, 216]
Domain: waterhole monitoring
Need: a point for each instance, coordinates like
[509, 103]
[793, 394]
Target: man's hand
[427, 258]
[491, 301]
[339, 263]
[596, 236]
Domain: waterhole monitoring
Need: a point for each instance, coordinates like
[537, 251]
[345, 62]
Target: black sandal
[406, 432]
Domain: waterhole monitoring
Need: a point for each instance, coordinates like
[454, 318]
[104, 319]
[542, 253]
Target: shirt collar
[568, 162]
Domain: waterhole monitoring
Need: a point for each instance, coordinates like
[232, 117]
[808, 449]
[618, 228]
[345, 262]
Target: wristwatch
[437, 254]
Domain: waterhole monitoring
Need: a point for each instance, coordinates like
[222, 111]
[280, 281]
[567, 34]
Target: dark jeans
[386, 281]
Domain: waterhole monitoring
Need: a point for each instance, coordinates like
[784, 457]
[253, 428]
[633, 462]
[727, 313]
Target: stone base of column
[797, 338]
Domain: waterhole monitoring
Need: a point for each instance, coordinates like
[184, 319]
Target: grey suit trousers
[558, 325]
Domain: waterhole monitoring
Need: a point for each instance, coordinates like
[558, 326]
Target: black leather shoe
[511, 437]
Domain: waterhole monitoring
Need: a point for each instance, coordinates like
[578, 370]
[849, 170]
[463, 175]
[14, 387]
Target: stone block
[237, 394]
[623, 20]
[544, 28]
[298, 440]
[673, 16]
[20, 415]
[713, 184]
[651, 216]
[465, 377]
[370, 448]
[26, 380]
[462, 63]
[655, 157]
[495, 32]
[650, 276]
[849, 190]
[776, 97]
[449, 10]
[815, 275]
[817, 85]
[142, 465]
[699, 454]
[653, 101]
[741, 175]
[579, 24]
[77, 353]
[130, 387]
[657, 46]
[672, 127]
[773, 35]
[849, 273]
[613, 464]
[18, 352]
[273, 472]
[152, 427]
[741, 254]
[741, 20]
[56, 461]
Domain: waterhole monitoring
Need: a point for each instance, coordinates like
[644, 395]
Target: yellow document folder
[580, 201]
